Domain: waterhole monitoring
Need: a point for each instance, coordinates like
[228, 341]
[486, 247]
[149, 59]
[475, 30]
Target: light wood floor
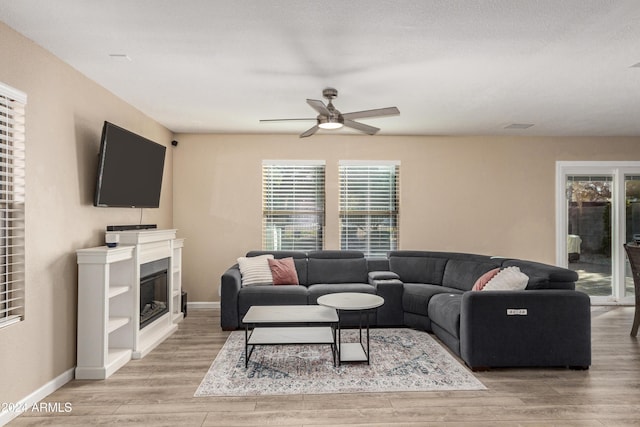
[158, 391]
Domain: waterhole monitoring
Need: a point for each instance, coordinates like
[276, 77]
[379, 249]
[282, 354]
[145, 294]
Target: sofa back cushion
[462, 274]
[337, 267]
[417, 267]
[545, 276]
[378, 264]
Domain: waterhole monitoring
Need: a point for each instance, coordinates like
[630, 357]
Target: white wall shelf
[114, 291]
[109, 333]
[116, 323]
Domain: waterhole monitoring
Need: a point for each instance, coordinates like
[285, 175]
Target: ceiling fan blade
[389, 111]
[361, 127]
[309, 132]
[319, 107]
[285, 120]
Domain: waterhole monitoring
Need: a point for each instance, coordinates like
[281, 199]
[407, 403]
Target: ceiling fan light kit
[330, 118]
[330, 123]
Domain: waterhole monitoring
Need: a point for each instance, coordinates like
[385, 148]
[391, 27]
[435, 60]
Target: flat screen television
[129, 170]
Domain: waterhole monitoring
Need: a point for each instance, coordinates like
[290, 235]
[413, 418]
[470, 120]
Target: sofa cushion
[416, 296]
[255, 270]
[337, 267]
[283, 271]
[444, 311]
[316, 291]
[335, 254]
[545, 276]
[418, 269]
[462, 274]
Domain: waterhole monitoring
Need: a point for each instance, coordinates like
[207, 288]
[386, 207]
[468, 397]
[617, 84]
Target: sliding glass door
[598, 210]
[589, 232]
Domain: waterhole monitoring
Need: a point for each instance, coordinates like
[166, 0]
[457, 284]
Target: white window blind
[369, 206]
[12, 167]
[293, 205]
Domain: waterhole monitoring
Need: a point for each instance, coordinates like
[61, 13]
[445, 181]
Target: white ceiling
[452, 67]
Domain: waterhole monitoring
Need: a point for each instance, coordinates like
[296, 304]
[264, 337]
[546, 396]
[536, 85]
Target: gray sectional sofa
[547, 324]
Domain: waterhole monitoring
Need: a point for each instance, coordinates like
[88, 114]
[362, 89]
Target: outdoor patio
[595, 275]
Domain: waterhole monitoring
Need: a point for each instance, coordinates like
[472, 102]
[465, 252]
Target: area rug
[401, 360]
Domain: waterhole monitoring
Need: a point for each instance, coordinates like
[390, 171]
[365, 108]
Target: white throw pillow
[507, 279]
[255, 270]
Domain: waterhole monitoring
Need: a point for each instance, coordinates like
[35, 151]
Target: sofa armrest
[389, 287]
[525, 328]
[382, 275]
[230, 284]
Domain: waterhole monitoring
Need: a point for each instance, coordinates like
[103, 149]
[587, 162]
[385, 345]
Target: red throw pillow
[484, 279]
[283, 271]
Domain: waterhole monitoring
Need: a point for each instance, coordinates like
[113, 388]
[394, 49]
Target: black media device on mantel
[129, 227]
[130, 170]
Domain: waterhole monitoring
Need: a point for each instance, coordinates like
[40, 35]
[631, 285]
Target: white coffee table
[305, 324]
[352, 301]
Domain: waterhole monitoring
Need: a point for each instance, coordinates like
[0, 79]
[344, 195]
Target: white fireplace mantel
[109, 333]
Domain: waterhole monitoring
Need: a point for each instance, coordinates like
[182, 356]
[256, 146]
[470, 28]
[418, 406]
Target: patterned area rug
[401, 360]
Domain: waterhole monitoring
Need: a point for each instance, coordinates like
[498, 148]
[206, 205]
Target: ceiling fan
[330, 118]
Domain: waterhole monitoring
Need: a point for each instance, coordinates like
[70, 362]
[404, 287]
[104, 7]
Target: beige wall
[64, 114]
[489, 195]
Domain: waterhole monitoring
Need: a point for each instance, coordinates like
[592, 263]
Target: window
[12, 159]
[292, 205]
[369, 206]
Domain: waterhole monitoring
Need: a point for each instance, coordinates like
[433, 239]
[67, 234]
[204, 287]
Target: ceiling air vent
[519, 126]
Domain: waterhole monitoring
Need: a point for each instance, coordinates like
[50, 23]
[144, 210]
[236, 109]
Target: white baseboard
[27, 403]
[203, 304]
